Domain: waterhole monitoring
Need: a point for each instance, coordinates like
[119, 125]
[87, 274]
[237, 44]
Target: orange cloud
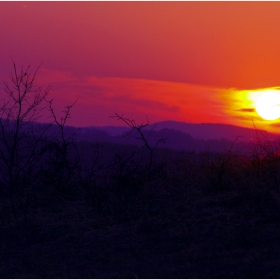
[101, 97]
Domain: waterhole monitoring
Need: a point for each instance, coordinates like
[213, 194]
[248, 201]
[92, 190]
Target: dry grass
[179, 224]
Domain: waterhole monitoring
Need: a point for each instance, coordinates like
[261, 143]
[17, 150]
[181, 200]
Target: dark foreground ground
[170, 230]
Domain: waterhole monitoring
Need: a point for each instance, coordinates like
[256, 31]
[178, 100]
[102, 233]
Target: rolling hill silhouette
[178, 135]
[202, 131]
[207, 131]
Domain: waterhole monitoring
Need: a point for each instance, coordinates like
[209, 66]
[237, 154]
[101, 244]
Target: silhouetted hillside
[206, 131]
[177, 135]
[203, 131]
[180, 135]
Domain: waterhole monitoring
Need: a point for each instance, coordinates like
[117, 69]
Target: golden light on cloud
[258, 108]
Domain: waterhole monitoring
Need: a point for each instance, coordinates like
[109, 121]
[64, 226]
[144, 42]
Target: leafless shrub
[139, 128]
[63, 158]
[265, 158]
[20, 142]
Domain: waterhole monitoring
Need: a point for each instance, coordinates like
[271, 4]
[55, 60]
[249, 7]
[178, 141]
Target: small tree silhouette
[21, 105]
[139, 128]
[61, 167]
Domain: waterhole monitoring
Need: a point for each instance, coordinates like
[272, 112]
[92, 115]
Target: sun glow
[268, 105]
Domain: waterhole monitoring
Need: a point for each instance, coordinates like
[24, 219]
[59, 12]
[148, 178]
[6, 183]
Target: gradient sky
[185, 61]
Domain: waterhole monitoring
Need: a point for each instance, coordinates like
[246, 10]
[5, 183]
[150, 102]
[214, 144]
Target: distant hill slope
[179, 135]
[111, 130]
[206, 131]
[203, 131]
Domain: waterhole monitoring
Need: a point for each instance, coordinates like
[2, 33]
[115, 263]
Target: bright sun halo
[268, 105]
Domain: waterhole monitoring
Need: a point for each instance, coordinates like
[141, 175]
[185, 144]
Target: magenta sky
[162, 59]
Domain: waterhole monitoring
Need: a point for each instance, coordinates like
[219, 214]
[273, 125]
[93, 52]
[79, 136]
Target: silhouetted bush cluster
[54, 183]
[40, 161]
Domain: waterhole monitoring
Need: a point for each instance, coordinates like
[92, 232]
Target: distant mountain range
[203, 131]
[177, 135]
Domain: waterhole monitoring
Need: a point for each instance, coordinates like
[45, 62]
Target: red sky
[185, 61]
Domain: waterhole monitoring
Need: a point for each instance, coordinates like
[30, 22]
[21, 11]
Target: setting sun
[268, 105]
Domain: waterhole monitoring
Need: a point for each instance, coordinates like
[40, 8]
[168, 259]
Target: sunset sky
[199, 62]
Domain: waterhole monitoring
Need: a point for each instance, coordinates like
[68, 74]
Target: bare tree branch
[21, 105]
[138, 127]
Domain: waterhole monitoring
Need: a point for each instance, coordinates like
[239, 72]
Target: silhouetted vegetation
[77, 206]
